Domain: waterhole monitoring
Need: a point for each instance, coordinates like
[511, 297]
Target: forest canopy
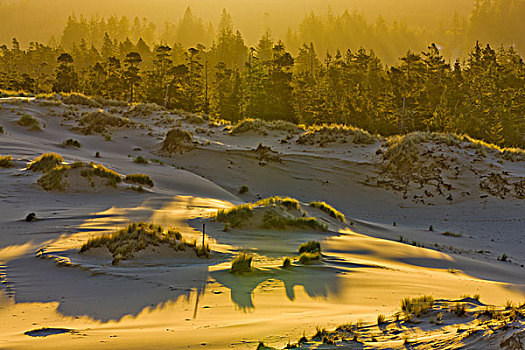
[332, 69]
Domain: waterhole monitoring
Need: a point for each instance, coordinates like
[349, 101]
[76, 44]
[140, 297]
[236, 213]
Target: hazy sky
[41, 18]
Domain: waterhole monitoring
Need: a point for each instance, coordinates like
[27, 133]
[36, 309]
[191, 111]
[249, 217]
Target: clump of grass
[327, 208]
[79, 99]
[52, 180]
[235, 216]
[287, 262]
[242, 264]
[141, 179]
[460, 309]
[381, 319]
[309, 258]
[100, 122]
[6, 162]
[274, 220]
[46, 162]
[134, 238]
[310, 247]
[112, 177]
[142, 110]
[417, 306]
[262, 127]
[503, 257]
[140, 160]
[323, 134]
[452, 234]
[287, 202]
[177, 140]
[30, 122]
[243, 189]
[71, 142]
[2, 130]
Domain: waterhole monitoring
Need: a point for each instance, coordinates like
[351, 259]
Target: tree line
[483, 95]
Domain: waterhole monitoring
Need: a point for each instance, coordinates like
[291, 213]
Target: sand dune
[383, 253]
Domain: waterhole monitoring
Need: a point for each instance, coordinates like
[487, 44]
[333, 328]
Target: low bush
[46, 162]
[79, 99]
[235, 216]
[417, 306]
[133, 238]
[140, 160]
[6, 162]
[177, 140]
[242, 264]
[309, 258]
[141, 179]
[262, 126]
[30, 122]
[327, 208]
[72, 143]
[100, 122]
[310, 247]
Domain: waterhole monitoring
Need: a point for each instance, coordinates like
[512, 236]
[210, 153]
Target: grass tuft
[133, 238]
[327, 208]
[30, 122]
[6, 162]
[310, 247]
[141, 179]
[46, 162]
[309, 258]
[177, 140]
[242, 264]
[73, 143]
[417, 306]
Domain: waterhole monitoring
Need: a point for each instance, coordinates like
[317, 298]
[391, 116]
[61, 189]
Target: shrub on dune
[262, 126]
[133, 238]
[417, 306]
[310, 247]
[235, 216]
[46, 162]
[327, 208]
[79, 99]
[177, 140]
[6, 162]
[141, 179]
[72, 143]
[99, 122]
[242, 264]
[140, 160]
[30, 122]
[309, 258]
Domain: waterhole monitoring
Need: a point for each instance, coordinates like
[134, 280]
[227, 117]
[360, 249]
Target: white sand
[176, 303]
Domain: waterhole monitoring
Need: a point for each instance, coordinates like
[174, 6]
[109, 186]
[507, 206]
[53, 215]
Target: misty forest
[468, 77]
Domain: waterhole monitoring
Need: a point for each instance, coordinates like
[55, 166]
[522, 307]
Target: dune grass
[242, 264]
[261, 126]
[75, 98]
[140, 160]
[287, 262]
[100, 122]
[142, 110]
[327, 208]
[177, 140]
[336, 133]
[272, 219]
[134, 238]
[140, 179]
[417, 306]
[30, 122]
[235, 216]
[72, 143]
[46, 162]
[2, 130]
[310, 247]
[309, 258]
[6, 162]
[111, 176]
[403, 148]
